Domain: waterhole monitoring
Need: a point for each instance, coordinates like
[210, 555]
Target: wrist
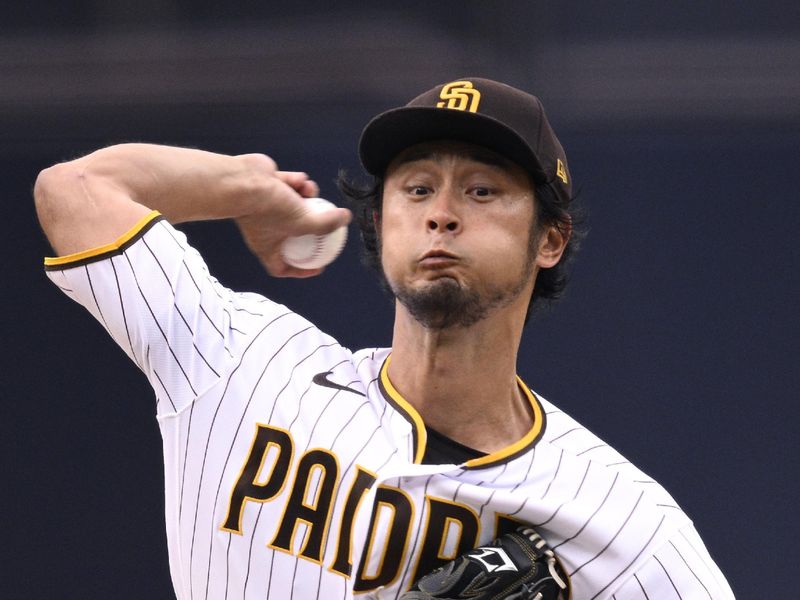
[250, 185]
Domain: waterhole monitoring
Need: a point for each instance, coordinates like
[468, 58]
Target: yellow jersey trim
[522, 445]
[400, 403]
[421, 434]
[102, 251]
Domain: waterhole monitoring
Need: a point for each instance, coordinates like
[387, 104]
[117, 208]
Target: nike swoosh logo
[322, 379]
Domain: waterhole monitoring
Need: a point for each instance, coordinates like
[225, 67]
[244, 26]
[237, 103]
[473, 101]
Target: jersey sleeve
[682, 568]
[154, 295]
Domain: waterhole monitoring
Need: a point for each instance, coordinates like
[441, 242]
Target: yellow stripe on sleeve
[141, 225]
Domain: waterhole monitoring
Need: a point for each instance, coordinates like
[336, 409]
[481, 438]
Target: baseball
[313, 251]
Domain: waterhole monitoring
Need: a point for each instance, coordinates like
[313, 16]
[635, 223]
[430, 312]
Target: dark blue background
[676, 342]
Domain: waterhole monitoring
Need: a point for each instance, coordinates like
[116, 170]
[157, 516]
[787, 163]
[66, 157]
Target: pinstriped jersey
[293, 466]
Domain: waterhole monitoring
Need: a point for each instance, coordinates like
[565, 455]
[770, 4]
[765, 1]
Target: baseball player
[295, 468]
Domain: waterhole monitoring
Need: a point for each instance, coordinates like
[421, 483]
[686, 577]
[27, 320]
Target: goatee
[442, 304]
[445, 303]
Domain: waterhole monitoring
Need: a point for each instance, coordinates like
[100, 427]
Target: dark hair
[365, 199]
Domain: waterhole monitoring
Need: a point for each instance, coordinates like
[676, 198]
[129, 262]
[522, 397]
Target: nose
[442, 217]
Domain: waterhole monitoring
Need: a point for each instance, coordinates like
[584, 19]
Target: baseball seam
[319, 243]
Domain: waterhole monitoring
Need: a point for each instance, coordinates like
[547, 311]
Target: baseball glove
[515, 566]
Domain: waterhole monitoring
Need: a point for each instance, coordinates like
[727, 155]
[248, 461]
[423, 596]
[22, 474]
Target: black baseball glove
[515, 566]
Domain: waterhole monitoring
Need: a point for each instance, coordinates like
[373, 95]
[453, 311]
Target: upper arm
[79, 210]
[155, 297]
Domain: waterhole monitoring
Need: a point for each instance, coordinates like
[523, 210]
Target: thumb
[321, 217]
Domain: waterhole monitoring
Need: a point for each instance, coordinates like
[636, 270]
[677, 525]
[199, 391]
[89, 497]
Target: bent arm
[91, 201]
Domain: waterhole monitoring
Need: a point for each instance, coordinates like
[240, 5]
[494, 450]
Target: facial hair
[446, 303]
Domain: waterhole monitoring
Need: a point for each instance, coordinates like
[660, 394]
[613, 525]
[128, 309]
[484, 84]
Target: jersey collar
[420, 436]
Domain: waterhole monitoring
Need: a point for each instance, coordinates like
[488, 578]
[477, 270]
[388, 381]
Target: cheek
[508, 244]
[401, 240]
[393, 258]
[502, 249]
[395, 221]
[510, 228]
[391, 238]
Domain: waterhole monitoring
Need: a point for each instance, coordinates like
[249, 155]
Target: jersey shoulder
[369, 361]
[566, 434]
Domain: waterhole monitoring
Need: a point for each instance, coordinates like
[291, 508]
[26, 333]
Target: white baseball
[313, 251]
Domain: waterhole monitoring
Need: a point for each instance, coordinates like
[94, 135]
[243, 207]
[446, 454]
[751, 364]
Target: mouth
[438, 259]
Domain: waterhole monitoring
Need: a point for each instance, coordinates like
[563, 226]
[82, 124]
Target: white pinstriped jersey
[292, 465]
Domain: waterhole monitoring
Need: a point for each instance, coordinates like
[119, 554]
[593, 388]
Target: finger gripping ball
[313, 251]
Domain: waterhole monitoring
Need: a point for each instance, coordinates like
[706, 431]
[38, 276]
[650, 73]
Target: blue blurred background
[677, 342]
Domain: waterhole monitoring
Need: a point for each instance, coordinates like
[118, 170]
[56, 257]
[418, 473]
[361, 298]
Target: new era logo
[561, 171]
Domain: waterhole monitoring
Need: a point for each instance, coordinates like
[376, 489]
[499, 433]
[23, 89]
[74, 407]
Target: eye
[418, 190]
[481, 192]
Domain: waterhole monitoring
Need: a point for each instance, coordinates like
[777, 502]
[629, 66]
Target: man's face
[458, 237]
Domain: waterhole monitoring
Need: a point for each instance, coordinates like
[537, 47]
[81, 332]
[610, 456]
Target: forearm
[93, 200]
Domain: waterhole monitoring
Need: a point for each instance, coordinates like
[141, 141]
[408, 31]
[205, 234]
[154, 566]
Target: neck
[462, 380]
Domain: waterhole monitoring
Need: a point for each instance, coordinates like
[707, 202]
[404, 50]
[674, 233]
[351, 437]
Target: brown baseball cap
[476, 110]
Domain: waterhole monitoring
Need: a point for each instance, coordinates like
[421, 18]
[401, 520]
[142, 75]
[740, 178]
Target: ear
[552, 242]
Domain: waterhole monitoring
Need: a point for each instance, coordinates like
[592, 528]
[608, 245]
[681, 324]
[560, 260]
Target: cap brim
[391, 132]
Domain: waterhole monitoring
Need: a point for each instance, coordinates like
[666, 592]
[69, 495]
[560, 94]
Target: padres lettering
[460, 95]
[271, 463]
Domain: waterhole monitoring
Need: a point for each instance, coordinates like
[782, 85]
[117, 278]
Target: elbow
[45, 182]
[43, 194]
[51, 194]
